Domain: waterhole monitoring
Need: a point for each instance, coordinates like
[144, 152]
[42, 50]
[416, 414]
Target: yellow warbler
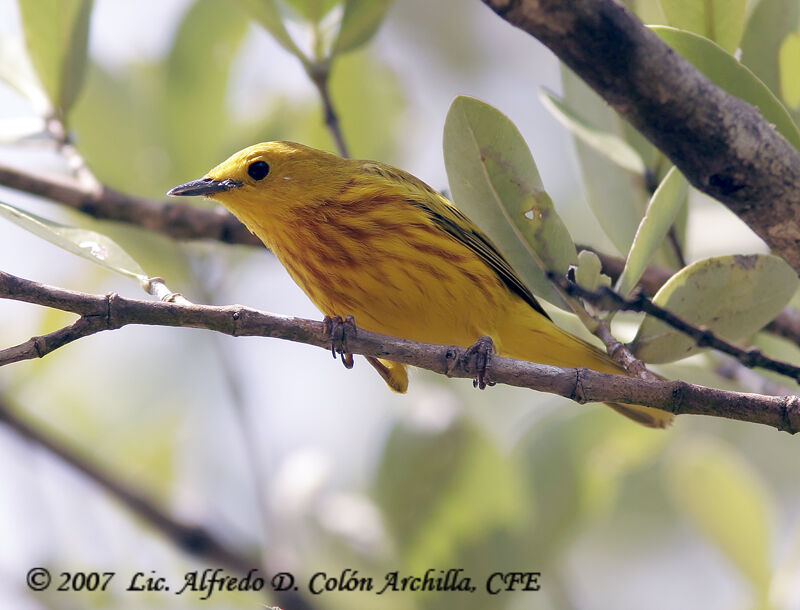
[365, 239]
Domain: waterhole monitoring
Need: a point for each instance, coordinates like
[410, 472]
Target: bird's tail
[546, 343]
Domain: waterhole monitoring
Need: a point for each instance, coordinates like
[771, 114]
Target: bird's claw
[336, 330]
[481, 352]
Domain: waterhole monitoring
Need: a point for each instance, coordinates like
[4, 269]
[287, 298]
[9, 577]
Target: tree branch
[191, 539]
[786, 324]
[319, 75]
[609, 300]
[722, 144]
[176, 220]
[581, 385]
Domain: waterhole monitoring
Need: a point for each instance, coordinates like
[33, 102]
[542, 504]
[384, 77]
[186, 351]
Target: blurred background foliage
[273, 446]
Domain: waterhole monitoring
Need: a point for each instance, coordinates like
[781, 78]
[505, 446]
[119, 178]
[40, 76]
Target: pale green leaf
[360, 21]
[783, 588]
[597, 451]
[588, 272]
[443, 492]
[611, 145]
[17, 70]
[726, 501]
[494, 181]
[719, 20]
[789, 66]
[194, 94]
[90, 245]
[661, 212]
[267, 14]
[617, 198]
[734, 296]
[725, 71]
[312, 10]
[767, 27]
[56, 35]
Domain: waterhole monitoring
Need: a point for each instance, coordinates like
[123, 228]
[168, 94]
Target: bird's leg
[481, 351]
[336, 329]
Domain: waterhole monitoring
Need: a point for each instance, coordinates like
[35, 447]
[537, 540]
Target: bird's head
[270, 181]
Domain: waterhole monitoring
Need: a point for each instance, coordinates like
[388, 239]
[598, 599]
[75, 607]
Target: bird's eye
[258, 170]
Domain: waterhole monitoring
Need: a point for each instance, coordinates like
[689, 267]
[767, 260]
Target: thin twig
[319, 74]
[192, 539]
[609, 300]
[786, 324]
[621, 354]
[673, 396]
[728, 368]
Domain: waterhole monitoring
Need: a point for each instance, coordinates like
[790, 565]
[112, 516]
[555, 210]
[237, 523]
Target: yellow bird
[365, 239]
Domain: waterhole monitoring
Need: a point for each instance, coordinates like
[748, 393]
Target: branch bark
[176, 220]
[582, 385]
[722, 145]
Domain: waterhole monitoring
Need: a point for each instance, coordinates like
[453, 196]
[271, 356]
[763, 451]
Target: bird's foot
[479, 356]
[336, 330]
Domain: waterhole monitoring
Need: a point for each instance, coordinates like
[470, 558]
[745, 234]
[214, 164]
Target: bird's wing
[453, 222]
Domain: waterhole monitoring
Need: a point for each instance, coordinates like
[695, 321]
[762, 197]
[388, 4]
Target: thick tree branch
[581, 385]
[192, 539]
[722, 145]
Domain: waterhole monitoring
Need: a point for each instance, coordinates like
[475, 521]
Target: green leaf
[360, 21]
[719, 20]
[56, 34]
[611, 145]
[267, 14]
[442, 492]
[725, 500]
[733, 295]
[661, 212]
[766, 29]
[783, 588]
[725, 71]
[789, 66]
[194, 87]
[16, 70]
[90, 245]
[617, 198]
[588, 273]
[495, 182]
[312, 10]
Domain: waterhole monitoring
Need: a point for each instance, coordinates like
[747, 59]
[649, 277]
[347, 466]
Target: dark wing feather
[453, 222]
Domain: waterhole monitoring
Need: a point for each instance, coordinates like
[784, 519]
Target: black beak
[203, 186]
